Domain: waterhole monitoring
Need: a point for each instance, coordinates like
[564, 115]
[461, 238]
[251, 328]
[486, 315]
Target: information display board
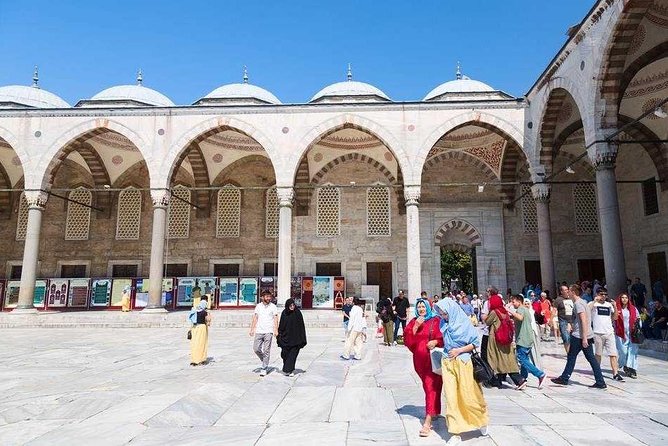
[184, 290]
[267, 285]
[229, 292]
[117, 288]
[248, 288]
[208, 287]
[296, 290]
[141, 293]
[100, 293]
[57, 294]
[307, 292]
[323, 292]
[168, 292]
[78, 295]
[39, 296]
[12, 293]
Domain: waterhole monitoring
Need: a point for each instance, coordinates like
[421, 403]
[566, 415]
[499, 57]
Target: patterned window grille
[22, 221]
[328, 212]
[586, 209]
[228, 212]
[378, 212]
[271, 214]
[77, 226]
[128, 218]
[179, 213]
[529, 217]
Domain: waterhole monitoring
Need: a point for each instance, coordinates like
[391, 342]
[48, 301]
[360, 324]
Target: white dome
[21, 96]
[464, 85]
[129, 95]
[239, 94]
[350, 89]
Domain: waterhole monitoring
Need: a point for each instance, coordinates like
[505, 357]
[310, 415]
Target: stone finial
[541, 192]
[36, 199]
[140, 77]
[285, 196]
[160, 197]
[412, 195]
[458, 73]
[350, 72]
[245, 74]
[35, 78]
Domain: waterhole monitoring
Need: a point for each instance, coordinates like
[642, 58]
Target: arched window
[22, 221]
[271, 214]
[328, 212]
[179, 213]
[529, 217]
[128, 218]
[228, 212]
[378, 211]
[77, 226]
[585, 208]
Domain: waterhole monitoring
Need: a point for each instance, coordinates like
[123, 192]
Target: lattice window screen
[128, 218]
[378, 211]
[77, 226]
[328, 212]
[22, 221]
[529, 217]
[271, 214]
[228, 212]
[586, 209]
[179, 213]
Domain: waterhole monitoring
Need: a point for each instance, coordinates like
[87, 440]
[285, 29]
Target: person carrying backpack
[386, 316]
[500, 348]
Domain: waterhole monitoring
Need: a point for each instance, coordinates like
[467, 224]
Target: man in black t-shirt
[347, 306]
[400, 306]
[659, 324]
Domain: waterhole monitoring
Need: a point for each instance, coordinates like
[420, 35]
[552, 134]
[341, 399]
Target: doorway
[380, 273]
[591, 269]
[458, 269]
[532, 272]
[656, 264]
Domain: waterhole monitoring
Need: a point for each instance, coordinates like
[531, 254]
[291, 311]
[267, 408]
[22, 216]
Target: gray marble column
[414, 268]
[160, 203]
[285, 197]
[541, 195]
[36, 202]
[603, 157]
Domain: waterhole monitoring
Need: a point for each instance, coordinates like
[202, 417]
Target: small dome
[235, 94]
[350, 91]
[21, 96]
[464, 85]
[127, 96]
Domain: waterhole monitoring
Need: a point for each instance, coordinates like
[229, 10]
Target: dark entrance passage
[380, 273]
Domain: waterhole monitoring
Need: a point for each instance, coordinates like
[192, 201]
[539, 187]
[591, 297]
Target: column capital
[603, 155]
[412, 195]
[541, 192]
[285, 196]
[160, 197]
[36, 199]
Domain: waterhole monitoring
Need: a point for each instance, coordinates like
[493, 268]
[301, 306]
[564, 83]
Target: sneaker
[354, 358]
[598, 386]
[263, 372]
[541, 379]
[345, 358]
[618, 377]
[522, 385]
[560, 381]
[455, 439]
[292, 374]
[395, 343]
[483, 431]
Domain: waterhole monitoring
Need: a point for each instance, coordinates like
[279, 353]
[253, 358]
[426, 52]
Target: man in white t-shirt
[602, 315]
[264, 327]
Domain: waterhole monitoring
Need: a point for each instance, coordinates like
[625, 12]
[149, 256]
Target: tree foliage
[457, 264]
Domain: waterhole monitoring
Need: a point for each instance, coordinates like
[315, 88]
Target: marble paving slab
[320, 434]
[360, 404]
[305, 404]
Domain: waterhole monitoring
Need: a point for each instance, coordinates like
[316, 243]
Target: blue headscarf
[457, 330]
[192, 316]
[430, 313]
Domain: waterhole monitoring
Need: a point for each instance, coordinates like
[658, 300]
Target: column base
[154, 310]
[24, 310]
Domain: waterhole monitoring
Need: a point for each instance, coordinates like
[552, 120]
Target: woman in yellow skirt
[199, 341]
[465, 406]
[125, 299]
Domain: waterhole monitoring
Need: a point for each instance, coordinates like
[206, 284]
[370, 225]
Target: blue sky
[293, 48]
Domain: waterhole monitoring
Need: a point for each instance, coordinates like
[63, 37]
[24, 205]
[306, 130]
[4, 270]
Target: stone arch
[13, 142]
[222, 176]
[476, 118]
[656, 151]
[458, 225]
[461, 156]
[207, 128]
[5, 196]
[509, 166]
[302, 194]
[456, 247]
[197, 162]
[343, 121]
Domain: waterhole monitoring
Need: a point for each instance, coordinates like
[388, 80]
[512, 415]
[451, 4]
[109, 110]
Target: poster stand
[56, 293]
[79, 293]
[100, 295]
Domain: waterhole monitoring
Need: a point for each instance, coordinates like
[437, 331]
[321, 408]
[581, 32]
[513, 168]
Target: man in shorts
[564, 306]
[602, 315]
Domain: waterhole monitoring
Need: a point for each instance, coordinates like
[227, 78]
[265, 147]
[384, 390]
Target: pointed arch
[657, 152]
[460, 155]
[5, 197]
[222, 177]
[201, 177]
[13, 142]
[462, 226]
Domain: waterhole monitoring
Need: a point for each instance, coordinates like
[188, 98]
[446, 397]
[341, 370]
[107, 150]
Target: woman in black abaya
[291, 336]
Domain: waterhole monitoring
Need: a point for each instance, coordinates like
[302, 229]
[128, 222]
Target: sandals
[425, 431]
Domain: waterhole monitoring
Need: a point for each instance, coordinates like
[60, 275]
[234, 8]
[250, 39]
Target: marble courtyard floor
[134, 386]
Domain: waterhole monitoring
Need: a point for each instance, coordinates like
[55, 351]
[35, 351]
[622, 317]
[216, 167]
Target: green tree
[457, 264]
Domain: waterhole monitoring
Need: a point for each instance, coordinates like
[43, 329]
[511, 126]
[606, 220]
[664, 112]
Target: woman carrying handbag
[628, 334]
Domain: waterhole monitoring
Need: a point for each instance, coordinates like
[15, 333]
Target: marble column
[285, 197]
[414, 269]
[603, 157]
[541, 195]
[160, 203]
[36, 203]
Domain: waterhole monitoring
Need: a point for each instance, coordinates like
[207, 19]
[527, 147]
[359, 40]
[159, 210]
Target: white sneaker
[292, 374]
[484, 431]
[455, 439]
[394, 343]
[263, 372]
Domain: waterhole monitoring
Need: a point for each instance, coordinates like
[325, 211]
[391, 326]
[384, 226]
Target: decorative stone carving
[160, 197]
[603, 156]
[285, 196]
[36, 199]
[412, 195]
[541, 192]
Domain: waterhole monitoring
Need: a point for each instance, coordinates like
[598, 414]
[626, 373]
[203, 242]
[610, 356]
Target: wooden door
[380, 273]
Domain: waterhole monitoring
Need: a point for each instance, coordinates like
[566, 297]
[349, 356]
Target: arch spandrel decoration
[462, 226]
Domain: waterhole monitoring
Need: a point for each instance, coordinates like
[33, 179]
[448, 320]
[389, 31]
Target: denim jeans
[574, 351]
[526, 366]
[563, 329]
[398, 321]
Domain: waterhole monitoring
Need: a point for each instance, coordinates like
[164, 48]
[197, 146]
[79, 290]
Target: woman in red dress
[423, 334]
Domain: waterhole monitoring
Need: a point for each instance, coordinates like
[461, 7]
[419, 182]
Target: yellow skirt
[199, 343]
[125, 303]
[465, 407]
